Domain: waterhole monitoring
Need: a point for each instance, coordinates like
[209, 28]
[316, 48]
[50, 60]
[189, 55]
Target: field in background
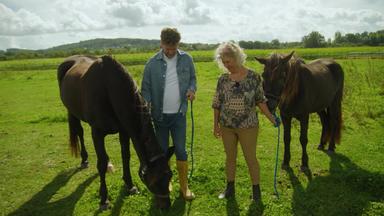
[39, 176]
[206, 56]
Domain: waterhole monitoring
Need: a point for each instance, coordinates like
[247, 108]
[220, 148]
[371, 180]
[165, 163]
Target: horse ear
[261, 60]
[287, 57]
[170, 152]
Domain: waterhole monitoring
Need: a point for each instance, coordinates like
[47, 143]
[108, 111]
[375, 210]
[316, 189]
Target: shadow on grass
[347, 190]
[178, 207]
[255, 208]
[118, 204]
[232, 207]
[40, 203]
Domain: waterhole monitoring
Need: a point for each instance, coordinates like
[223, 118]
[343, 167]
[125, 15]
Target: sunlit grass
[39, 176]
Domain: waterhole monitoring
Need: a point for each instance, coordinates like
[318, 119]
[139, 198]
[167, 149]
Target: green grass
[39, 176]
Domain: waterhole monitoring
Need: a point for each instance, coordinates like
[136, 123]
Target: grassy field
[202, 56]
[40, 177]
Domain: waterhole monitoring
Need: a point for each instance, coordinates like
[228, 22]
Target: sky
[41, 24]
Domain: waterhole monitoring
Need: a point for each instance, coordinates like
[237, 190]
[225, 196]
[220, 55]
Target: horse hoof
[110, 168]
[84, 165]
[330, 151]
[104, 206]
[320, 147]
[304, 169]
[133, 190]
[285, 166]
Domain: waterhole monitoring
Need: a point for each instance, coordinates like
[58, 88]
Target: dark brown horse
[100, 92]
[299, 89]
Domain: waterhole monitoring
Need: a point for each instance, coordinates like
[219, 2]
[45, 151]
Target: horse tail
[62, 70]
[74, 132]
[338, 100]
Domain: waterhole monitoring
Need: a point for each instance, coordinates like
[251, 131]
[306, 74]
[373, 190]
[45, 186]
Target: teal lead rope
[192, 137]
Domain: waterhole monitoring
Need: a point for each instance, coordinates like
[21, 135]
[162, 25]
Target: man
[169, 80]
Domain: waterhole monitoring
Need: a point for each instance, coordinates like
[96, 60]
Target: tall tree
[313, 40]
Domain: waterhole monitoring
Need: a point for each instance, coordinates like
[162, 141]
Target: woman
[238, 92]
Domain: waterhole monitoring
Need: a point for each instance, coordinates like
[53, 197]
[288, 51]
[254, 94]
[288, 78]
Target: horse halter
[161, 195]
[276, 69]
[272, 96]
[142, 175]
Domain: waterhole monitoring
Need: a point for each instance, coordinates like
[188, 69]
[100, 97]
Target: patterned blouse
[237, 100]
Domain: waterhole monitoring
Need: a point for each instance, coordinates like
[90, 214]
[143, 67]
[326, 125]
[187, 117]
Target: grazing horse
[100, 92]
[299, 89]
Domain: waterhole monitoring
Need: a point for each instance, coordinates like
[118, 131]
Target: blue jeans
[176, 125]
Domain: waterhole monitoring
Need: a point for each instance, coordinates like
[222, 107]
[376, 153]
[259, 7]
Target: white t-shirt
[171, 102]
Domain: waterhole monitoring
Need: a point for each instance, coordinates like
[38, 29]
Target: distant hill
[117, 43]
[97, 46]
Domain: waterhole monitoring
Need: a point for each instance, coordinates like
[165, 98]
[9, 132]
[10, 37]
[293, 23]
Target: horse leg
[102, 163]
[325, 129]
[126, 156]
[83, 151]
[304, 141]
[334, 124]
[77, 132]
[335, 116]
[287, 120]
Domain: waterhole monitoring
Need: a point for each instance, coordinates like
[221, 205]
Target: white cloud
[158, 12]
[38, 24]
[22, 22]
[196, 13]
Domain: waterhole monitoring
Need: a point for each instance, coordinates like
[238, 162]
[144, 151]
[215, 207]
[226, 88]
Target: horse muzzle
[162, 202]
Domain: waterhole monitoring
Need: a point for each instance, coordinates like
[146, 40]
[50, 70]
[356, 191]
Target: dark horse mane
[292, 83]
[140, 108]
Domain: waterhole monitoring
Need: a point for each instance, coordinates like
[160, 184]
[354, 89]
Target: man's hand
[191, 95]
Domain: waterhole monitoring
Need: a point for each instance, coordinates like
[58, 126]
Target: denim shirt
[153, 83]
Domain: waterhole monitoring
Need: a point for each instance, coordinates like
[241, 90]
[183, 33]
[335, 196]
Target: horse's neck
[150, 148]
[292, 83]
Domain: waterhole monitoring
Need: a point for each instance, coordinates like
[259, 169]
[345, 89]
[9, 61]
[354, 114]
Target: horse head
[154, 170]
[156, 175]
[274, 77]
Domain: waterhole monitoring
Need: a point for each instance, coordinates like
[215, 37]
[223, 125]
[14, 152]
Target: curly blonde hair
[229, 49]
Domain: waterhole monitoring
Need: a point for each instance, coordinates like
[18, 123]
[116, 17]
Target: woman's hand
[217, 131]
[277, 120]
[273, 118]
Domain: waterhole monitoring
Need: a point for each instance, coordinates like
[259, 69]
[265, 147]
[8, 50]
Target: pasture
[40, 177]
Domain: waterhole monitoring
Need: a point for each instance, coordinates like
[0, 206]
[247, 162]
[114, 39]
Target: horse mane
[110, 63]
[143, 127]
[275, 60]
[292, 82]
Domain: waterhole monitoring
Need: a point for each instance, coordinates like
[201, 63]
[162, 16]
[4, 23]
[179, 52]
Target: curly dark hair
[170, 36]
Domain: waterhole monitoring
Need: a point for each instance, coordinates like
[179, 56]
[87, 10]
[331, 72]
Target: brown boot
[182, 168]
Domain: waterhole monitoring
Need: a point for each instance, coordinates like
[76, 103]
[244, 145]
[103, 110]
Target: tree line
[317, 40]
[126, 45]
